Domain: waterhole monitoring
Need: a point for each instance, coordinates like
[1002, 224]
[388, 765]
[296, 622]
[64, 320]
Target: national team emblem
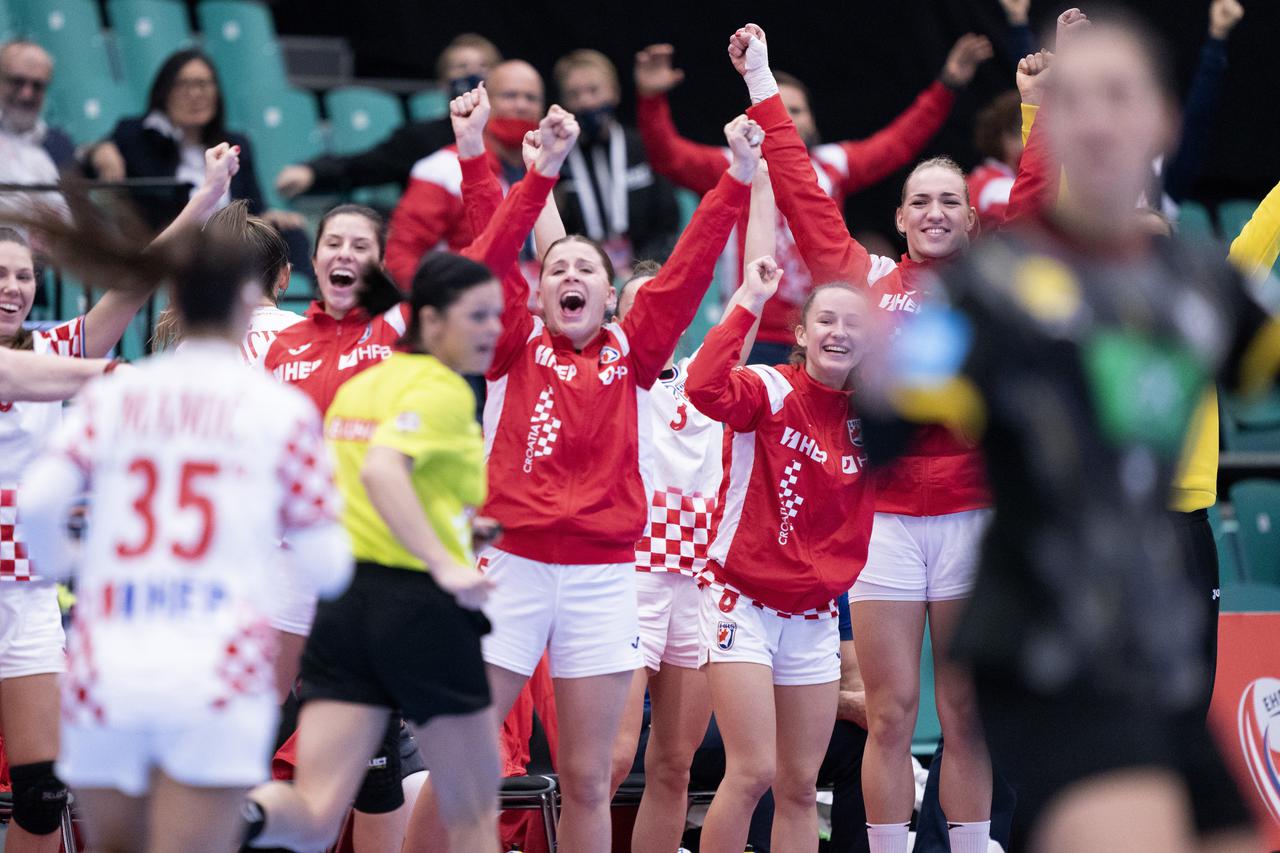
[725, 633]
[855, 431]
[1258, 721]
[609, 355]
[368, 331]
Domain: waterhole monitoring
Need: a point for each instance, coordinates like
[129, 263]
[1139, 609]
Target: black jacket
[388, 162]
[149, 153]
[654, 217]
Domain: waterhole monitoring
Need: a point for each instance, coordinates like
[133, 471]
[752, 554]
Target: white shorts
[585, 615]
[230, 748]
[32, 641]
[921, 558]
[669, 605]
[295, 610]
[800, 651]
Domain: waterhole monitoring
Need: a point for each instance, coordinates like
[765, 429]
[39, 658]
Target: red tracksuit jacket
[942, 473]
[842, 168]
[320, 353]
[567, 431]
[795, 508]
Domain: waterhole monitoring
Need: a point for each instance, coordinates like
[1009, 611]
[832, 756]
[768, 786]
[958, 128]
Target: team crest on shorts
[725, 633]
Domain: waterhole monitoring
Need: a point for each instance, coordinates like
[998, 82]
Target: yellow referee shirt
[414, 405]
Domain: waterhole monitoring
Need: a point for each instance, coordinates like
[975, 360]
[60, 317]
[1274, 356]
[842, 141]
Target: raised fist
[761, 282]
[1070, 22]
[744, 137]
[1033, 75]
[1223, 17]
[557, 132]
[654, 73]
[469, 113]
[742, 55]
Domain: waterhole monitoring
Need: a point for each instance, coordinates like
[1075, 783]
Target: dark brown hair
[578, 238]
[1001, 116]
[375, 219]
[474, 40]
[167, 77]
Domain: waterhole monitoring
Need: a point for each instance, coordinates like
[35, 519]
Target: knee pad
[38, 797]
[380, 792]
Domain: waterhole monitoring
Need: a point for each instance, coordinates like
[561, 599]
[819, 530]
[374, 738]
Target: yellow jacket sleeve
[1255, 250]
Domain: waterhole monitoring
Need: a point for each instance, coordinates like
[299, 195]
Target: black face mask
[593, 122]
[459, 86]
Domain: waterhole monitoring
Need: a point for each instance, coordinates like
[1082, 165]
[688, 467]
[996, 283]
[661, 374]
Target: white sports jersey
[687, 449]
[24, 428]
[267, 322]
[192, 484]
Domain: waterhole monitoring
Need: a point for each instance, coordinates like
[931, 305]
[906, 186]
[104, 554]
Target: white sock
[969, 837]
[760, 82]
[888, 837]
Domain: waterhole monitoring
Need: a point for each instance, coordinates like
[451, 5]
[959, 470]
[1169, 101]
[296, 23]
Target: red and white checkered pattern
[678, 533]
[14, 565]
[789, 502]
[548, 426]
[730, 597]
[247, 666]
[311, 497]
[66, 339]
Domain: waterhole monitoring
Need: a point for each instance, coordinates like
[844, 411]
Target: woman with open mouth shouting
[567, 431]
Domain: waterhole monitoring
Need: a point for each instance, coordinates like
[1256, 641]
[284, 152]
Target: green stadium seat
[147, 32]
[1233, 215]
[89, 113]
[428, 104]
[9, 27]
[22, 12]
[360, 117]
[71, 31]
[284, 129]
[1194, 221]
[1257, 506]
[240, 36]
[1248, 597]
[1225, 537]
[1253, 425]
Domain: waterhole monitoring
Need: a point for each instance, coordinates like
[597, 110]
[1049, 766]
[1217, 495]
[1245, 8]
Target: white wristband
[760, 82]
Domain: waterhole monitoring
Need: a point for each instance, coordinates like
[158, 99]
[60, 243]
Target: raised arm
[666, 306]
[685, 163]
[717, 386]
[1038, 179]
[761, 242]
[873, 159]
[1201, 107]
[550, 227]
[44, 378]
[816, 221]
[106, 321]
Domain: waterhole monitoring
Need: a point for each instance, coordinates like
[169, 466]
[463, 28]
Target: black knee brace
[38, 797]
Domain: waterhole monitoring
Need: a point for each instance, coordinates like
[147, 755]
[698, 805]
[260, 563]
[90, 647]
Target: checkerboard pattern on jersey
[787, 496]
[678, 534]
[14, 564]
[308, 480]
[548, 425]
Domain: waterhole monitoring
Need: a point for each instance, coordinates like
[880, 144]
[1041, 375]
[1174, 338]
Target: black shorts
[1045, 744]
[396, 640]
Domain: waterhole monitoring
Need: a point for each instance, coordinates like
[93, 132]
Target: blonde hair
[798, 356]
[473, 40]
[585, 58]
[939, 162]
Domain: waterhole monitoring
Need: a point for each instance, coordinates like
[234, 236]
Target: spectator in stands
[610, 193]
[843, 168]
[185, 114]
[430, 213]
[31, 152]
[997, 134]
[466, 61]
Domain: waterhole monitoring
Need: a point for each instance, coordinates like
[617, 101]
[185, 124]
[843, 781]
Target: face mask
[459, 86]
[509, 132]
[593, 122]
